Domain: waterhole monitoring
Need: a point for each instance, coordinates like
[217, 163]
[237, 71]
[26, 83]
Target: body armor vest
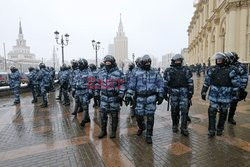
[178, 78]
[220, 77]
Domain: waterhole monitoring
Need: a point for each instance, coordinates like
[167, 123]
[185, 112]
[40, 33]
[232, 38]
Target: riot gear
[31, 69]
[138, 62]
[177, 60]
[146, 62]
[131, 66]
[230, 57]
[42, 65]
[13, 69]
[64, 67]
[110, 59]
[74, 64]
[220, 59]
[92, 67]
[83, 64]
[102, 65]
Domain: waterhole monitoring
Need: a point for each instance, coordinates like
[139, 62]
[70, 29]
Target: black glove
[159, 100]
[97, 97]
[119, 99]
[203, 96]
[166, 97]
[127, 100]
[90, 96]
[190, 95]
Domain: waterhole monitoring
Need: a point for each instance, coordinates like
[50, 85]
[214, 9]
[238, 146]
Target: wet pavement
[32, 136]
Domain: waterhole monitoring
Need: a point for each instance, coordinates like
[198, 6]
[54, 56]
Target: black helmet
[146, 62]
[138, 61]
[102, 65]
[177, 57]
[236, 57]
[230, 57]
[64, 67]
[220, 56]
[52, 68]
[13, 69]
[42, 65]
[83, 64]
[131, 66]
[109, 58]
[31, 68]
[92, 67]
[74, 63]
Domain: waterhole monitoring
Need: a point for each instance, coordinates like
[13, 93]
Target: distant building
[111, 50]
[21, 55]
[120, 48]
[154, 62]
[166, 60]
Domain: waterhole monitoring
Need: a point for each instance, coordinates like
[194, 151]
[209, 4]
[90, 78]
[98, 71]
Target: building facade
[219, 26]
[21, 55]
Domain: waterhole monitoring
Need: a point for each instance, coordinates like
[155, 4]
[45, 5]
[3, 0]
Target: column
[243, 34]
[232, 30]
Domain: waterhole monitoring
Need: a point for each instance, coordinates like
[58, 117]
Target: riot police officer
[111, 88]
[33, 84]
[83, 91]
[147, 85]
[179, 86]
[223, 82]
[242, 72]
[15, 83]
[44, 79]
[64, 83]
[128, 75]
[94, 71]
[73, 74]
[60, 89]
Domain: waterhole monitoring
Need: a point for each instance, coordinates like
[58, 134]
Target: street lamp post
[62, 43]
[133, 56]
[96, 47]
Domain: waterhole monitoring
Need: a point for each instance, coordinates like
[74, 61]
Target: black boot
[232, 113]
[104, 119]
[221, 122]
[211, 121]
[141, 124]
[184, 130]
[76, 108]
[34, 101]
[114, 124]
[150, 126]
[175, 121]
[80, 109]
[44, 105]
[86, 118]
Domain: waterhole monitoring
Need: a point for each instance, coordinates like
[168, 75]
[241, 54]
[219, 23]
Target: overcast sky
[153, 27]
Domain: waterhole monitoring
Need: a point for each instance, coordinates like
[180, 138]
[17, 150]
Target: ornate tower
[120, 46]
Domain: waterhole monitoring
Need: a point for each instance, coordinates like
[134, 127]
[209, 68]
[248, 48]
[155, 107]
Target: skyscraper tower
[120, 46]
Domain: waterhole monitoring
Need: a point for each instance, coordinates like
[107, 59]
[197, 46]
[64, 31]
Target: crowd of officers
[142, 88]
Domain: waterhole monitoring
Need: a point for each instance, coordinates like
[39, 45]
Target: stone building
[120, 48]
[21, 55]
[219, 26]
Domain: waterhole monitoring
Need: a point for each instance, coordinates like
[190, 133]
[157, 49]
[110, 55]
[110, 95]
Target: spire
[120, 29]
[20, 28]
